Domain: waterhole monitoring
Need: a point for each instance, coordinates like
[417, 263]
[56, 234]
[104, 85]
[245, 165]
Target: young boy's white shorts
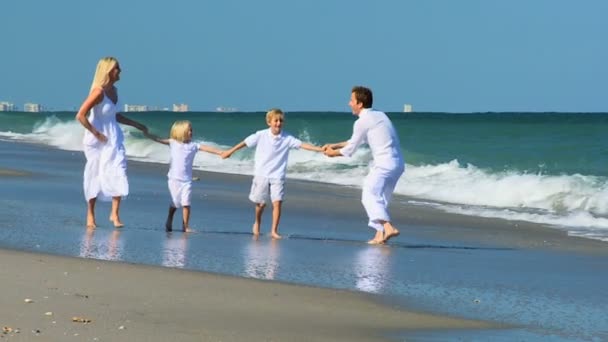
[261, 187]
[180, 191]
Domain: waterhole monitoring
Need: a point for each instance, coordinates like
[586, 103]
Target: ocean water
[548, 168]
[540, 295]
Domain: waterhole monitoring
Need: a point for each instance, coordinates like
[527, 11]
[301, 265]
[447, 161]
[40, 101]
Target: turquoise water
[547, 168]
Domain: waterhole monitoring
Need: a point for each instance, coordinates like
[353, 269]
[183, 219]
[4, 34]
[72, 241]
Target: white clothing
[182, 158]
[181, 192]
[105, 173]
[375, 128]
[271, 152]
[378, 188]
[261, 187]
[180, 172]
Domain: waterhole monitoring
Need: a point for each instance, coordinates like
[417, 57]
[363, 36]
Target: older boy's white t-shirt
[271, 152]
[182, 157]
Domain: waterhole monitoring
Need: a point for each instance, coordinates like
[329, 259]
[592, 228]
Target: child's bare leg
[186, 218]
[259, 210]
[169, 223]
[389, 231]
[91, 213]
[114, 216]
[276, 217]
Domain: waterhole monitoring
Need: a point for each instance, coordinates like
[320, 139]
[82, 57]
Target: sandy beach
[127, 302]
[446, 277]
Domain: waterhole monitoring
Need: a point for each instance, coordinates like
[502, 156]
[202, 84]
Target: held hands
[225, 154]
[330, 151]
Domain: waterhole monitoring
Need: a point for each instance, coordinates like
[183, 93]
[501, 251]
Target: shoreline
[445, 265]
[127, 302]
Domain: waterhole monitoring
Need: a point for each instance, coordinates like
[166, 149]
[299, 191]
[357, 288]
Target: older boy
[374, 128]
[271, 153]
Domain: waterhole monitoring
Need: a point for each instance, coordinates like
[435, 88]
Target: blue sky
[438, 55]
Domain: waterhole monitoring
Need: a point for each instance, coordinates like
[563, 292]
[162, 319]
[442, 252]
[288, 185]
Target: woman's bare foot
[389, 232]
[116, 222]
[255, 229]
[188, 230]
[276, 236]
[91, 222]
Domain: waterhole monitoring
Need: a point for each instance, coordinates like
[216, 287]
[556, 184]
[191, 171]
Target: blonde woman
[105, 173]
[183, 151]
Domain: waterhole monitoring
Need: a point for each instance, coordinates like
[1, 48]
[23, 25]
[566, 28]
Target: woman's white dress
[105, 173]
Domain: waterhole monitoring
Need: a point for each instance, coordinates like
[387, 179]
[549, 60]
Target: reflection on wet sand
[174, 250]
[261, 258]
[372, 268]
[104, 245]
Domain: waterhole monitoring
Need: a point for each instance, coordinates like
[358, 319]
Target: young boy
[271, 153]
[180, 170]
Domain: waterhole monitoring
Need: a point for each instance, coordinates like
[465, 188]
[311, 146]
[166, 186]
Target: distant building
[180, 107]
[7, 107]
[32, 107]
[225, 109]
[407, 108]
[136, 108]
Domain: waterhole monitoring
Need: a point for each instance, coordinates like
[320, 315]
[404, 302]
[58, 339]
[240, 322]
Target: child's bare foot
[255, 229]
[276, 236]
[389, 232]
[116, 222]
[91, 224]
[378, 239]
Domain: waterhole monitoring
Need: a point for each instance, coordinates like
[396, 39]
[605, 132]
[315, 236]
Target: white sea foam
[577, 202]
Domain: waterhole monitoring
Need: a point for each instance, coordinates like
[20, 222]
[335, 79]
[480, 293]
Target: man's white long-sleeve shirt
[376, 129]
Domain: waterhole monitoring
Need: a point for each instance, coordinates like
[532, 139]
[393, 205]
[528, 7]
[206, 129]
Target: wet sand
[127, 302]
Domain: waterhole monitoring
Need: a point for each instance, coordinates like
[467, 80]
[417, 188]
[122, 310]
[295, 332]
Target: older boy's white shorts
[262, 187]
[180, 191]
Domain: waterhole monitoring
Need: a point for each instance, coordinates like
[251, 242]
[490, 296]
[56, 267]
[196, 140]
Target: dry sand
[127, 302]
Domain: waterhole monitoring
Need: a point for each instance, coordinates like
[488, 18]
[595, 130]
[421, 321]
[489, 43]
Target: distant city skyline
[437, 55]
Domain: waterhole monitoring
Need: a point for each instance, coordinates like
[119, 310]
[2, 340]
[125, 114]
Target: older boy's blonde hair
[179, 129]
[273, 113]
[102, 73]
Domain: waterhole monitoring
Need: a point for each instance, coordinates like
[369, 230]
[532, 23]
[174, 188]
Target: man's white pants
[378, 188]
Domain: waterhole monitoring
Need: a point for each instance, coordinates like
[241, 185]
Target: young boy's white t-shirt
[271, 152]
[182, 158]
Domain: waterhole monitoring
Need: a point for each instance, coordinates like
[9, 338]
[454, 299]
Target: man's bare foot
[389, 232]
[276, 236]
[378, 238]
[255, 229]
[116, 222]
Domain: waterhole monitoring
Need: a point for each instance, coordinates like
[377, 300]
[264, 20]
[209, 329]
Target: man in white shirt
[375, 129]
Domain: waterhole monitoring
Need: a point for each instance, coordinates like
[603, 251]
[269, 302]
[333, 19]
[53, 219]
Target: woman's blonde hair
[102, 74]
[179, 129]
[273, 113]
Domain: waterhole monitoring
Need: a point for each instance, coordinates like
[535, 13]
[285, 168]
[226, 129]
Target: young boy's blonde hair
[273, 113]
[179, 129]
